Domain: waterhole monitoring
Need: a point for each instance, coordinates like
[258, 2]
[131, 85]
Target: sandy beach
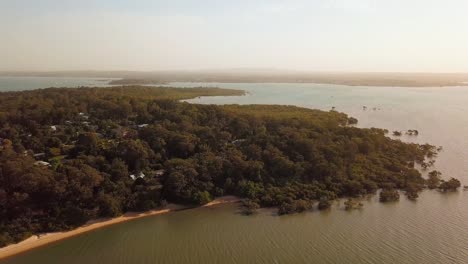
[44, 239]
[223, 200]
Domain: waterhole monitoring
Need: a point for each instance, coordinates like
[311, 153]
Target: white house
[140, 175]
[158, 173]
[42, 163]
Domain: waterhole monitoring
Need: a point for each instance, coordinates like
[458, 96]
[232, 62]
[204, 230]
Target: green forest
[69, 155]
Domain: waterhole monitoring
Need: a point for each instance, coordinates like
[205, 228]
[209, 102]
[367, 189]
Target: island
[71, 155]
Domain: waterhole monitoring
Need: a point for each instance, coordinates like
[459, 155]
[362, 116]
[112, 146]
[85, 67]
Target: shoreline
[40, 240]
[344, 83]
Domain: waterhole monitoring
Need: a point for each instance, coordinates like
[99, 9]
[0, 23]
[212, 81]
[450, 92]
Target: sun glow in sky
[326, 35]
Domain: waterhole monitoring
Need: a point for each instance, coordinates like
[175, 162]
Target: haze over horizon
[334, 35]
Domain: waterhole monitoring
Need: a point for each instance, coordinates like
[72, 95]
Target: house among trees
[140, 175]
[159, 173]
[42, 163]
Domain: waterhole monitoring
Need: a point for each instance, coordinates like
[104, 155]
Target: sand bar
[44, 239]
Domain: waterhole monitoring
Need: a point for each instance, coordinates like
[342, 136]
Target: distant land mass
[265, 75]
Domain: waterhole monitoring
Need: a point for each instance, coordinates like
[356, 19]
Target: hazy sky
[324, 35]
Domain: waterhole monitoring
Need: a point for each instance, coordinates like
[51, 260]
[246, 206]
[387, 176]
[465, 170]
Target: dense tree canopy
[71, 155]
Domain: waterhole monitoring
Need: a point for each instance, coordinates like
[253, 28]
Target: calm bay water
[432, 230]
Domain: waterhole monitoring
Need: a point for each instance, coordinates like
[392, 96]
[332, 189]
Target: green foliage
[389, 195]
[296, 206]
[282, 156]
[202, 197]
[434, 179]
[249, 207]
[450, 185]
[324, 203]
[352, 121]
[412, 132]
[412, 190]
[352, 204]
[108, 206]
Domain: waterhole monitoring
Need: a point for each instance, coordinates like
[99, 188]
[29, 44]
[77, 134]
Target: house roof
[140, 175]
[43, 163]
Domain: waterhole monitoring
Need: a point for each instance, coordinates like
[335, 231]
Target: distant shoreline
[342, 82]
[125, 81]
[36, 241]
[379, 79]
